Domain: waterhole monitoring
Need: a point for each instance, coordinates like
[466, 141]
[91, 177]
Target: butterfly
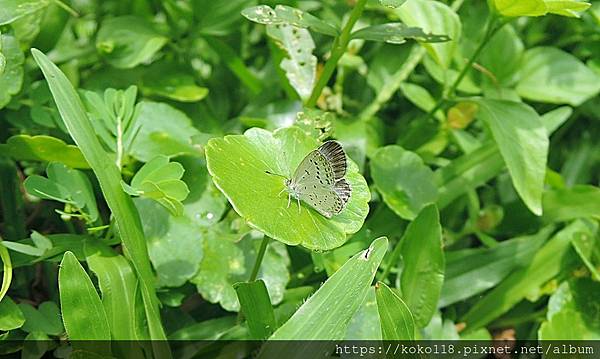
[319, 180]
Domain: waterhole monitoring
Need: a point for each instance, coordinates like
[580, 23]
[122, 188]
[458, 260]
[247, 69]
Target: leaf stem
[391, 86]
[119, 143]
[338, 49]
[491, 28]
[392, 261]
[259, 258]
[66, 7]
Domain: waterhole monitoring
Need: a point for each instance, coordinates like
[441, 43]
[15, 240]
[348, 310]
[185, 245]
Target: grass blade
[397, 322]
[546, 264]
[81, 306]
[109, 177]
[257, 308]
[325, 316]
[423, 273]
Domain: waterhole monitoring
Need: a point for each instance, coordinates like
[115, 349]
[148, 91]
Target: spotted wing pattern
[318, 179]
[343, 190]
[324, 200]
[334, 153]
[314, 170]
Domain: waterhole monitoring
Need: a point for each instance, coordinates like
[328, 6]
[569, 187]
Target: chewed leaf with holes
[300, 65]
[237, 165]
[282, 14]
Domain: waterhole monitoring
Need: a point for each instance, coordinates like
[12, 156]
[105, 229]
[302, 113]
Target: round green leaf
[237, 165]
[127, 41]
[404, 181]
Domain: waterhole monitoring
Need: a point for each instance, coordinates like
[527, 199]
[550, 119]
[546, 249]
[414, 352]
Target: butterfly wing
[335, 155]
[318, 182]
[314, 170]
[324, 200]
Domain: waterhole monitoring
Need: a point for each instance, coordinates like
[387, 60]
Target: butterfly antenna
[275, 174]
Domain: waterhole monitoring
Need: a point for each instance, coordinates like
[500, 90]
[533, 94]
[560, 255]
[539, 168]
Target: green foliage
[11, 76]
[145, 147]
[65, 185]
[396, 319]
[12, 316]
[128, 41]
[551, 75]
[258, 151]
[326, 313]
[434, 18]
[523, 143]
[423, 265]
[256, 306]
[45, 319]
[118, 285]
[80, 303]
[44, 148]
[161, 181]
[404, 181]
[570, 315]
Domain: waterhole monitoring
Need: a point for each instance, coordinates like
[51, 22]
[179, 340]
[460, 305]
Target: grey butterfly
[318, 180]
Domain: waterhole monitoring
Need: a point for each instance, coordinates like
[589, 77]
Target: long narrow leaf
[546, 264]
[82, 311]
[326, 315]
[397, 322]
[257, 308]
[121, 205]
[423, 272]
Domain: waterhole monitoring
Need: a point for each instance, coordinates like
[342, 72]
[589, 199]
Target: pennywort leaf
[128, 41]
[254, 194]
[404, 181]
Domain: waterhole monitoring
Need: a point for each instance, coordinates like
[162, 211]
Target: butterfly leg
[299, 208]
[289, 200]
[280, 192]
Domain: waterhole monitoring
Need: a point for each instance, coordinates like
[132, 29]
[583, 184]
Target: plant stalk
[391, 263]
[338, 49]
[491, 29]
[259, 258]
[66, 7]
[391, 86]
